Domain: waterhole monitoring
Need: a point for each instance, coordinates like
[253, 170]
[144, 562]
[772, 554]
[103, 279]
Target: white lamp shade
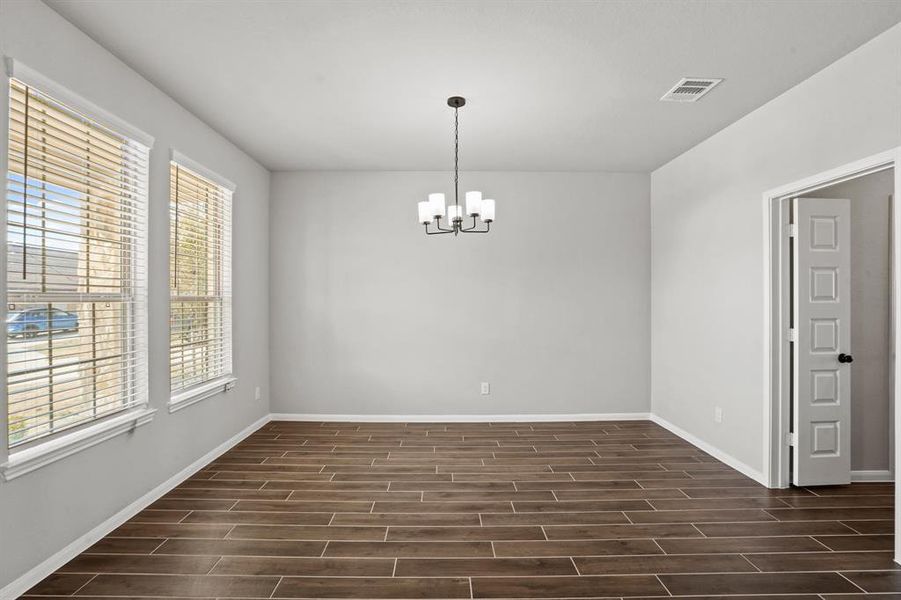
[454, 213]
[437, 202]
[425, 212]
[473, 203]
[487, 210]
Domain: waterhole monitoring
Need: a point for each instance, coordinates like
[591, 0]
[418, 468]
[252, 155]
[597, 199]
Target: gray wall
[45, 510]
[369, 316]
[870, 316]
[708, 223]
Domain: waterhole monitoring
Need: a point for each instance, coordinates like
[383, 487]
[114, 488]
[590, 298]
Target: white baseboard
[885, 475]
[712, 451]
[34, 576]
[542, 418]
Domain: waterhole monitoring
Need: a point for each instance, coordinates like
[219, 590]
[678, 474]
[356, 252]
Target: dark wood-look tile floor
[478, 510]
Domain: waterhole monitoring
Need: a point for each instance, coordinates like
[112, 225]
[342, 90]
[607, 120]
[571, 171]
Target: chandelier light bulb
[425, 213]
[487, 211]
[454, 213]
[437, 202]
[473, 203]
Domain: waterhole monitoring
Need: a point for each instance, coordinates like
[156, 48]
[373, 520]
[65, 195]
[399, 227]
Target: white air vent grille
[689, 89]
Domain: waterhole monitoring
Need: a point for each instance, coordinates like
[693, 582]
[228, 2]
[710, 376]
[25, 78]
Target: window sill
[201, 392]
[26, 461]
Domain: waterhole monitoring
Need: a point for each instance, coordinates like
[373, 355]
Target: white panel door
[822, 352]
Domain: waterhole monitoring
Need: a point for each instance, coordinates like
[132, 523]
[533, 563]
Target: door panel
[822, 312]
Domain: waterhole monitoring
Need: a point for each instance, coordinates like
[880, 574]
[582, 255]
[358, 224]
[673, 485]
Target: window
[76, 201]
[200, 352]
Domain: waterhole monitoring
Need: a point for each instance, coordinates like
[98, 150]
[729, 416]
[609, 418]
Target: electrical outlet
[718, 414]
[486, 388]
[257, 394]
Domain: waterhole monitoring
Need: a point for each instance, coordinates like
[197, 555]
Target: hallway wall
[870, 316]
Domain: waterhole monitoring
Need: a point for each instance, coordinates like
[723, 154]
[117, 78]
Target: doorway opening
[832, 265]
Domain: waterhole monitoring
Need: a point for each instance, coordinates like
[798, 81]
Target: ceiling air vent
[689, 89]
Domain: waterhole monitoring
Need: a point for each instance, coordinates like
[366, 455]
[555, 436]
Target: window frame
[26, 457]
[212, 387]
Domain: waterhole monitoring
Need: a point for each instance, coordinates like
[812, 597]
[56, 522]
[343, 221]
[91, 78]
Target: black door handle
[845, 358]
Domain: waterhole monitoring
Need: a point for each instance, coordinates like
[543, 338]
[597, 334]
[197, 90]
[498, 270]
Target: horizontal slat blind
[199, 280]
[76, 200]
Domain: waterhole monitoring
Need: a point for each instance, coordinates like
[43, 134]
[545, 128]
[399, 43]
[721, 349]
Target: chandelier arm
[438, 224]
[474, 230]
[474, 225]
[439, 232]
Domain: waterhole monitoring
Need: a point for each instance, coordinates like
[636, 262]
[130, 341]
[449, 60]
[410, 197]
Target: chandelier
[434, 209]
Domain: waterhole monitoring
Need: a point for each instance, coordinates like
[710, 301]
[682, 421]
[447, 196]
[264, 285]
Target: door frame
[777, 366]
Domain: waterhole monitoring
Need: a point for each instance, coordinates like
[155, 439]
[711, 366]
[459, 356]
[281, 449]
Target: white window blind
[200, 316]
[76, 202]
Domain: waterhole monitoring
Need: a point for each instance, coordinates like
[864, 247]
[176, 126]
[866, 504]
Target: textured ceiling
[551, 85]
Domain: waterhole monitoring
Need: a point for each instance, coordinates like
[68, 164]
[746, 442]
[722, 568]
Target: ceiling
[551, 85]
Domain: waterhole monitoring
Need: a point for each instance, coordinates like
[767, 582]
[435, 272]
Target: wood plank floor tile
[264, 494]
[731, 545]
[597, 532]
[487, 533]
[264, 518]
[134, 563]
[577, 548]
[64, 584]
[758, 583]
[189, 504]
[442, 507]
[488, 510]
[660, 564]
[166, 530]
[375, 588]
[871, 527]
[700, 516]
[151, 515]
[475, 567]
[409, 549]
[857, 542]
[743, 492]
[241, 547]
[566, 587]
[180, 585]
[833, 561]
[560, 518]
[282, 566]
[113, 545]
[842, 501]
[854, 489]
[582, 506]
[716, 503]
[831, 514]
[305, 532]
[774, 528]
[415, 519]
[351, 496]
[877, 581]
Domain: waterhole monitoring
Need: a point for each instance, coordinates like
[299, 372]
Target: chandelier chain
[456, 157]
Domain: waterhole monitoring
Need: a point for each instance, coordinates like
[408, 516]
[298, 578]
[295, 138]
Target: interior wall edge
[712, 450]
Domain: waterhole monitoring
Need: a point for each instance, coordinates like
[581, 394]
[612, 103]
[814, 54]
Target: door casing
[776, 359]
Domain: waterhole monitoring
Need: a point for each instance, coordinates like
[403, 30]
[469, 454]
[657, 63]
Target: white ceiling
[551, 85]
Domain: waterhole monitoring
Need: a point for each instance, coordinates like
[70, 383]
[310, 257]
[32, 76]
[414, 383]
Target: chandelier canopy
[433, 209]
